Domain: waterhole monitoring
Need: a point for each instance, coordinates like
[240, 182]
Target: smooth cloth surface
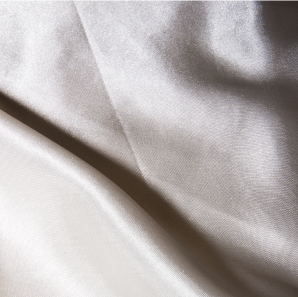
[148, 149]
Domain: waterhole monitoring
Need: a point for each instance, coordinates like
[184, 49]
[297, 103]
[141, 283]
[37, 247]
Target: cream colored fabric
[148, 149]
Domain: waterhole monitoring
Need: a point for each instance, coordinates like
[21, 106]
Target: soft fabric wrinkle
[181, 45]
[112, 202]
[259, 236]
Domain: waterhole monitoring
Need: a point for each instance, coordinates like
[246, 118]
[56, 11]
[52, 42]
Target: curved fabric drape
[148, 149]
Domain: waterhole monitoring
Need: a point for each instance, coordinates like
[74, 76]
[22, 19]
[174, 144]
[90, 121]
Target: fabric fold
[148, 149]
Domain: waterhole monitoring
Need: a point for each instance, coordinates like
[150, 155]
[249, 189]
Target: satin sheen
[148, 149]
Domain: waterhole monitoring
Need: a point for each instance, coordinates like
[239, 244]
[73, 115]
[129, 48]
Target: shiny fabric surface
[148, 149]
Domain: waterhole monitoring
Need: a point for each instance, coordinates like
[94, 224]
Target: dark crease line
[110, 99]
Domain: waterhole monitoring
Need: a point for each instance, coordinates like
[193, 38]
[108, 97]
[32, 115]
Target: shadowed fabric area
[148, 149]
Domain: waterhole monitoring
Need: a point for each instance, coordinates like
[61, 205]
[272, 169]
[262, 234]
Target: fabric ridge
[148, 149]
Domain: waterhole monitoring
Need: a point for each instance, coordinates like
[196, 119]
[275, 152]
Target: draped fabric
[148, 149]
